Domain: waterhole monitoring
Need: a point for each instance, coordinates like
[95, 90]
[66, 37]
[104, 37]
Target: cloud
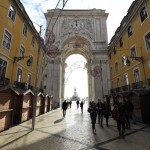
[117, 9]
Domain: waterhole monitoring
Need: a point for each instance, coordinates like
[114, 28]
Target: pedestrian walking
[100, 111]
[119, 115]
[93, 114]
[127, 113]
[64, 107]
[81, 105]
[107, 111]
[77, 104]
[131, 110]
[70, 103]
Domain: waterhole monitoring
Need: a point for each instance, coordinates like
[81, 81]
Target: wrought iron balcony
[21, 85]
[126, 87]
[4, 81]
[112, 90]
[137, 85]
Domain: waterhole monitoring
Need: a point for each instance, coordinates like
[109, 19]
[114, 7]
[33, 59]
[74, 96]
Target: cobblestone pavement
[52, 132]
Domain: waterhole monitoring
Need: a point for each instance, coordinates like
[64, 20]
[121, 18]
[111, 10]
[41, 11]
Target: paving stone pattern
[74, 132]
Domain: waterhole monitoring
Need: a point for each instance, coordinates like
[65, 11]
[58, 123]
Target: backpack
[115, 114]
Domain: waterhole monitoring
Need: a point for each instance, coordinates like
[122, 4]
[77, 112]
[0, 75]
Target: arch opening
[76, 77]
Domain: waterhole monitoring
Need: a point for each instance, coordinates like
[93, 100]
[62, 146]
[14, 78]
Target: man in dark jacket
[64, 107]
[100, 110]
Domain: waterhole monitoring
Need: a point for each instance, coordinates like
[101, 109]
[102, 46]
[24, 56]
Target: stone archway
[81, 32]
[77, 45]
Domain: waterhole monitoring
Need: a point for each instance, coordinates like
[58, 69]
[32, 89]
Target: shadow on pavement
[59, 120]
[15, 139]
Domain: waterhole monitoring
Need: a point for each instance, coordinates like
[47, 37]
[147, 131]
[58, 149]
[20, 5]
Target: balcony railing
[4, 81]
[112, 90]
[126, 87]
[137, 85]
[21, 85]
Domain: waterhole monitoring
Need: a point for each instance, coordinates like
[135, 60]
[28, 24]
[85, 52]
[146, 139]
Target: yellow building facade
[19, 46]
[129, 50]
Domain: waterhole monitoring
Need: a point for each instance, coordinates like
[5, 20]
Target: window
[110, 56]
[29, 79]
[7, 39]
[126, 80]
[121, 42]
[118, 82]
[3, 66]
[136, 75]
[143, 14]
[12, 13]
[114, 50]
[19, 75]
[22, 51]
[30, 61]
[129, 31]
[24, 29]
[147, 41]
[116, 67]
[133, 52]
[33, 41]
[123, 61]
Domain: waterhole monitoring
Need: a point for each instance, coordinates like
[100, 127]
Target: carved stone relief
[77, 25]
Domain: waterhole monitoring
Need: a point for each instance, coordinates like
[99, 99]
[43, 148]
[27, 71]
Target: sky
[116, 9]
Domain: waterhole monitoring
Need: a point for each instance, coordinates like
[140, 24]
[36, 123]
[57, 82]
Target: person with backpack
[119, 115]
[93, 114]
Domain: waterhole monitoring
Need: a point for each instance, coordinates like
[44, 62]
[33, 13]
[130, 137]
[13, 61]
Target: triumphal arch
[76, 32]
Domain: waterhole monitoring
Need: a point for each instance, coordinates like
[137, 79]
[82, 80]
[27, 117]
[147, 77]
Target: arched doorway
[76, 77]
[77, 45]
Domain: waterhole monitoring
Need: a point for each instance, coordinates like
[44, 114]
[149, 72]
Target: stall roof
[40, 94]
[24, 92]
[4, 88]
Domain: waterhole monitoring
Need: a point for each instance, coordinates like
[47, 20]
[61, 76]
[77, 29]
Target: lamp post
[35, 84]
[29, 61]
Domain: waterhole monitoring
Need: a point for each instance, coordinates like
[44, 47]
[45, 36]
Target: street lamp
[139, 59]
[29, 61]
